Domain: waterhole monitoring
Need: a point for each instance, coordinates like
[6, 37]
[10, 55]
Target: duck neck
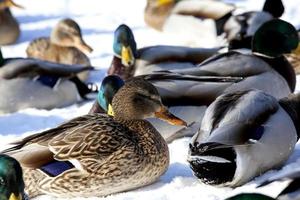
[291, 105]
[96, 108]
[117, 68]
[284, 68]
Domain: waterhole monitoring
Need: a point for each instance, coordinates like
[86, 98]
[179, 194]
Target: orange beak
[84, 47]
[165, 115]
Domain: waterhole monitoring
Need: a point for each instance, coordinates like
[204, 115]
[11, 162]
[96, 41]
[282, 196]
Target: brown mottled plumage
[65, 46]
[110, 154]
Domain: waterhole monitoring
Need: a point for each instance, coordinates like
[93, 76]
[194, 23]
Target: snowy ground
[98, 19]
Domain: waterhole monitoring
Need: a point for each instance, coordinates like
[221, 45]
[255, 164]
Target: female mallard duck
[65, 46]
[9, 27]
[290, 192]
[242, 133]
[130, 61]
[33, 83]
[98, 155]
[11, 179]
[109, 87]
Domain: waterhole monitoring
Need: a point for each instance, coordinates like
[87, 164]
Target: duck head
[240, 135]
[124, 46]
[275, 38]
[250, 196]
[68, 33]
[11, 179]
[139, 99]
[240, 28]
[8, 4]
[109, 87]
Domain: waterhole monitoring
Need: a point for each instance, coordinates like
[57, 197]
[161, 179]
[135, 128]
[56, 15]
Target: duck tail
[291, 105]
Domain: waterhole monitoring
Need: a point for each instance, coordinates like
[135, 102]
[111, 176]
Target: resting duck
[240, 28]
[33, 83]
[290, 192]
[191, 20]
[11, 179]
[199, 86]
[65, 46]
[96, 154]
[242, 133]
[9, 27]
[294, 59]
[128, 61]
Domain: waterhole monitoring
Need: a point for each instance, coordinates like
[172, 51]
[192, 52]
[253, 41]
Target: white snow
[98, 19]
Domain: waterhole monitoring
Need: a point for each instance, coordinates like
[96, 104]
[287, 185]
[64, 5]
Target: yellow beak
[127, 56]
[110, 110]
[164, 2]
[10, 3]
[14, 197]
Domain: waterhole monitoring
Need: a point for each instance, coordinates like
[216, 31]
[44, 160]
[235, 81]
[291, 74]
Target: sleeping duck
[96, 154]
[9, 26]
[290, 192]
[65, 46]
[128, 61]
[242, 134]
[11, 179]
[198, 87]
[33, 83]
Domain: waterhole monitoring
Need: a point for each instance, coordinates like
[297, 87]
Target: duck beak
[165, 115]
[10, 3]
[14, 197]
[110, 111]
[82, 46]
[164, 2]
[127, 56]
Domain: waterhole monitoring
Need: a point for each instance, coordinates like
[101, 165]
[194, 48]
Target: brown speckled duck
[9, 27]
[96, 154]
[65, 46]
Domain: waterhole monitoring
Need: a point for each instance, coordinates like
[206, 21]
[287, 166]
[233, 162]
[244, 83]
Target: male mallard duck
[9, 27]
[65, 46]
[130, 61]
[33, 83]
[240, 28]
[229, 72]
[190, 20]
[242, 134]
[290, 192]
[11, 179]
[98, 155]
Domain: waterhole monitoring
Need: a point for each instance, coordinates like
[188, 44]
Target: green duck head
[109, 87]
[11, 179]
[250, 196]
[275, 38]
[124, 45]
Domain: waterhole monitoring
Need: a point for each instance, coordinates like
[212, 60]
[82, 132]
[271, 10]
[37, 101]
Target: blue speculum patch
[56, 168]
[49, 81]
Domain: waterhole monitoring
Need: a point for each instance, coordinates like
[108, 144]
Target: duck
[240, 28]
[112, 83]
[9, 26]
[190, 91]
[11, 179]
[241, 133]
[289, 192]
[33, 83]
[191, 20]
[294, 58]
[65, 45]
[97, 154]
[128, 61]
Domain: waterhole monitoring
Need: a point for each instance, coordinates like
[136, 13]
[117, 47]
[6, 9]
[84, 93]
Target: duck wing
[24, 67]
